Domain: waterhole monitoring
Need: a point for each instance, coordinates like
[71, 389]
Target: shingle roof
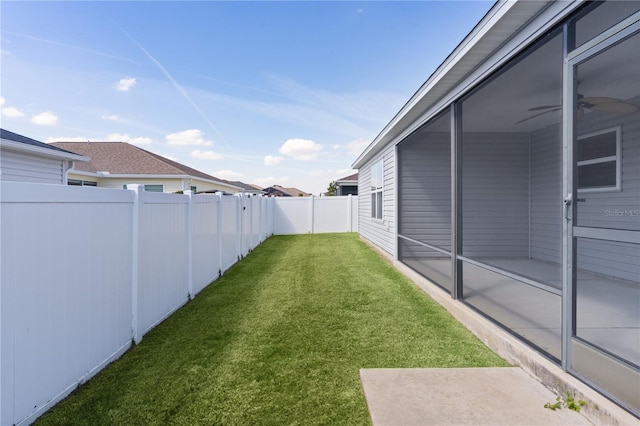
[11, 136]
[125, 159]
[350, 177]
[294, 192]
[244, 186]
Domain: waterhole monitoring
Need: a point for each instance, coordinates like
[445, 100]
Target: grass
[278, 340]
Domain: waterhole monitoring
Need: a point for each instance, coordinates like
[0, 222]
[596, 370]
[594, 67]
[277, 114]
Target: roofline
[149, 176]
[43, 152]
[464, 60]
[347, 181]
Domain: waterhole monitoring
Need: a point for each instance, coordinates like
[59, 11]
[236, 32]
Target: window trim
[617, 157]
[377, 201]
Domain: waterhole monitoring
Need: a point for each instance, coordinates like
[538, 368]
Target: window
[376, 190]
[598, 161]
[77, 182]
[150, 188]
[193, 189]
[154, 188]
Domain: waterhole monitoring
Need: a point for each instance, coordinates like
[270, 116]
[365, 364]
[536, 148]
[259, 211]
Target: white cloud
[168, 157]
[355, 147]
[112, 117]
[187, 137]
[120, 137]
[271, 160]
[206, 155]
[11, 112]
[46, 118]
[227, 174]
[270, 181]
[125, 84]
[300, 149]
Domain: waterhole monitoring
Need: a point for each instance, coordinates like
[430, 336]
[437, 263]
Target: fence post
[349, 213]
[135, 261]
[189, 193]
[311, 202]
[240, 227]
[219, 232]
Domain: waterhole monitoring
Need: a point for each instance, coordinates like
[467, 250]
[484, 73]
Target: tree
[332, 189]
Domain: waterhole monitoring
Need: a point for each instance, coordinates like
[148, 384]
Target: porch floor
[607, 309]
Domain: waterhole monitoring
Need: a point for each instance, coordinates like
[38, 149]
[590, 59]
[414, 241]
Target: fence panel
[163, 264]
[331, 214]
[206, 247]
[354, 214]
[291, 215]
[230, 231]
[65, 298]
[303, 215]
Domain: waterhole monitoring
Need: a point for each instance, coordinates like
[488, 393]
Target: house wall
[495, 195]
[382, 233]
[618, 260]
[546, 194]
[424, 212]
[19, 167]
[171, 185]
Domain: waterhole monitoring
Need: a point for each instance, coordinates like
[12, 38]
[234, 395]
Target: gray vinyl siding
[495, 206]
[379, 232]
[425, 198]
[546, 195]
[28, 168]
[618, 260]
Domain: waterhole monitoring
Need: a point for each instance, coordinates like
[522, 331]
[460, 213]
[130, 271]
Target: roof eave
[42, 152]
[150, 176]
[463, 60]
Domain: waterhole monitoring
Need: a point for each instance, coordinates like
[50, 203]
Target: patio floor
[460, 396]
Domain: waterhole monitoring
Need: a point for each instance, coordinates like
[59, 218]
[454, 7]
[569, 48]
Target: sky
[270, 92]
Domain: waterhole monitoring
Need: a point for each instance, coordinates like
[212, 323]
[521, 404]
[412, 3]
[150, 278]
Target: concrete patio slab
[460, 396]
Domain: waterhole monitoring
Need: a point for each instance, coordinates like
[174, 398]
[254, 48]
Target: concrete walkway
[460, 396]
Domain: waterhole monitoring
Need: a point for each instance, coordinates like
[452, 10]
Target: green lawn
[278, 340]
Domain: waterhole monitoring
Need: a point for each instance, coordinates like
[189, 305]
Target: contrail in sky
[176, 85]
[69, 46]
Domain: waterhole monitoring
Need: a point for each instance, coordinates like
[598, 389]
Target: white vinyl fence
[86, 272]
[311, 215]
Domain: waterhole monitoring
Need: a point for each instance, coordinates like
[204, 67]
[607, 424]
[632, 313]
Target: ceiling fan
[587, 103]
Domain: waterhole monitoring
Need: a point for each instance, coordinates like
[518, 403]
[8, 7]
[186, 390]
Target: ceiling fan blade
[539, 114]
[597, 100]
[615, 107]
[541, 107]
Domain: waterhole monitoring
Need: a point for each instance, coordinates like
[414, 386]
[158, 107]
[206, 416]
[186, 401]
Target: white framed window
[377, 183]
[598, 159]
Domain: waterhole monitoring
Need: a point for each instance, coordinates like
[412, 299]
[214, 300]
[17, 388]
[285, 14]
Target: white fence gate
[84, 272]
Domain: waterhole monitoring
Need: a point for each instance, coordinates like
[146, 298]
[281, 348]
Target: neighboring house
[511, 179]
[117, 164]
[24, 159]
[347, 185]
[253, 189]
[279, 191]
